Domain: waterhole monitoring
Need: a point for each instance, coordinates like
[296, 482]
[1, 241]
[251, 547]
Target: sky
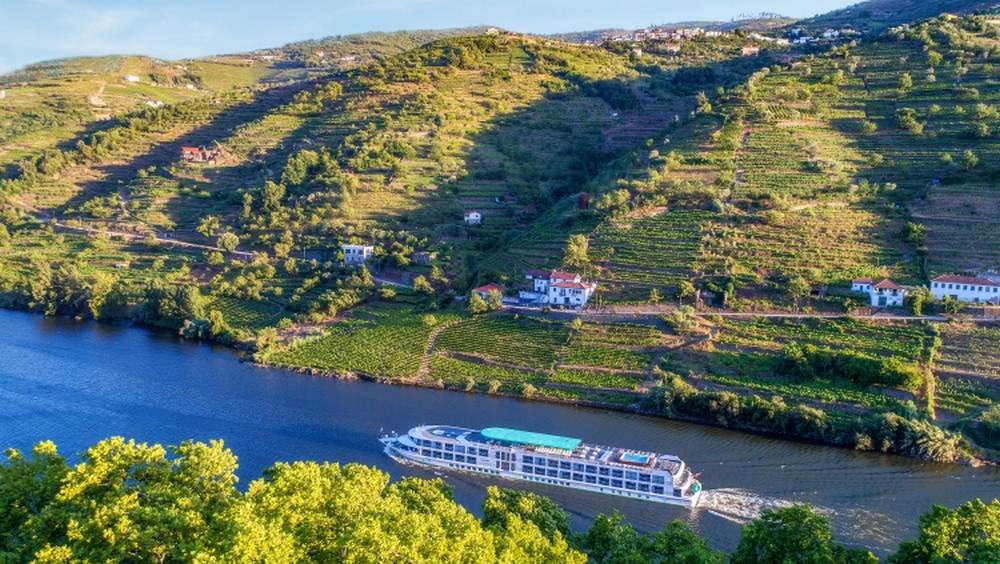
[36, 30]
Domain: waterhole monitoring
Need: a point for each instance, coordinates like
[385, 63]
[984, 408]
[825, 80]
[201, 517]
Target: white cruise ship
[548, 459]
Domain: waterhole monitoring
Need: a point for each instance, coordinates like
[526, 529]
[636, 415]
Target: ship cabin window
[459, 458]
[470, 459]
[539, 471]
[484, 452]
[591, 469]
[528, 459]
[577, 467]
[677, 492]
[657, 489]
[564, 465]
[616, 483]
[578, 477]
[643, 487]
[437, 445]
[591, 479]
[553, 463]
[449, 447]
[629, 485]
[602, 481]
[553, 473]
[616, 473]
[437, 454]
[643, 477]
[564, 475]
[603, 471]
[527, 469]
[449, 456]
[630, 475]
[460, 449]
[425, 451]
[657, 479]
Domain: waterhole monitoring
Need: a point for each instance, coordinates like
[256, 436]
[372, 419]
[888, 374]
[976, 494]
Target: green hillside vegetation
[181, 504]
[875, 16]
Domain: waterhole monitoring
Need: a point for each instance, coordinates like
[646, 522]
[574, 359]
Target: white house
[558, 288]
[965, 289]
[131, 78]
[885, 293]
[473, 217]
[357, 254]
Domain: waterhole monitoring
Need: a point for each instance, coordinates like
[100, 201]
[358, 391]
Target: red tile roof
[956, 279]
[887, 284]
[862, 281]
[487, 288]
[562, 275]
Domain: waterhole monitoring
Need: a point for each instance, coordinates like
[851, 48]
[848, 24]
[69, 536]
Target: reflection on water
[77, 382]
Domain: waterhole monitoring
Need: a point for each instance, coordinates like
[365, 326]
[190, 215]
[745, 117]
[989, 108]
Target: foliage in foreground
[132, 502]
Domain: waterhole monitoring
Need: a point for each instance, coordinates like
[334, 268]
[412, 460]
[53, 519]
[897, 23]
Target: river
[78, 382]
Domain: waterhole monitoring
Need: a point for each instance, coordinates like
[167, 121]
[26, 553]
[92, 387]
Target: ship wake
[738, 505]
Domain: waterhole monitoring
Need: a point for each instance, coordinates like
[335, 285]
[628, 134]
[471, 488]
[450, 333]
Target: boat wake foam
[738, 505]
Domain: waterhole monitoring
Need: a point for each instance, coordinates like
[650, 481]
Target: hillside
[875, 16]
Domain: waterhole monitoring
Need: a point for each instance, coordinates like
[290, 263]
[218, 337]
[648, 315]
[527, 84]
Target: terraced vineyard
[522, 342]
[970, 350]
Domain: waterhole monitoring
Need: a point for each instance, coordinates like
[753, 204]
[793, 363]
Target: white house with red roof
[485, 290]
[559, 288]
[884, 293]
[965, 289]
[473, 217]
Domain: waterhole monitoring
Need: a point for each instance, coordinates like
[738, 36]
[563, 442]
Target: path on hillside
[627, 315]
[425, 360]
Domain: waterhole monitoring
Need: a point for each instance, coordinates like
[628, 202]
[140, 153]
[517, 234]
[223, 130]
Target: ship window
[630, 475]
[437, 454]
[577, 467]
[658, 489]
[437, 445]
[460, 458]
[528, 459]
[591, 479]
[484, 452]
[603, 471]
[539, 471]
[591, 469]
[629, 485]
[677, 492]
[564, 465]
[460, 448]
[602, 481]
[564, 475]
[643, 487]
[643, 477]
[657, 479]
[425, 452]
[471, 459]
[553, 473]
[553, 463]
[449, 456]
[616, 473]
[578, 477]
[449, 447]
[616, 483]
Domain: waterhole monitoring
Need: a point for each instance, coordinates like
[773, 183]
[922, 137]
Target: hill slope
[875, 16]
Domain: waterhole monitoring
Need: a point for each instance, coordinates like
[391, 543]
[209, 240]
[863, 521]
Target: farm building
[965, 288]
[885, 293]
[197, 154]
[473, 217]
[750, 51]
[424, 258]
[558, 288]
[357, 254]
[131, 78]
[485, 290]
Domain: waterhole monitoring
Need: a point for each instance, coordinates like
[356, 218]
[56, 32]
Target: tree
[228, 241]
[677, 543]
[969, 160]
[792, 534]
[494, 300]
[477, 304]
[421, 285]
[704, 105]
[685, 290]
[209, 225]
[611, 539]
[969, 533]
[502, 504]
[655, 297]
[918, 299]
[577, 249]
[950, 305]
[905, 81]
[798, 288]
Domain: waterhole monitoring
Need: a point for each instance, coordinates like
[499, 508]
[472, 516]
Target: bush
[809, 362]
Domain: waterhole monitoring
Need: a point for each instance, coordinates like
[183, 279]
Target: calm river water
[78, 382]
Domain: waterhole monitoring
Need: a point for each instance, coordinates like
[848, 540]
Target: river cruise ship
[548, 459]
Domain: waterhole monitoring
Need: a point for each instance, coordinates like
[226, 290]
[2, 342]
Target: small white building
[131, 78]
[357, 254]
[558, 288]
[885, 293]
[3, 94]
[965, 289]
[473, 217]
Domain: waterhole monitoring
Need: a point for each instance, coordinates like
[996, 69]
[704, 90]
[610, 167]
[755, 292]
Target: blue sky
[36, 30]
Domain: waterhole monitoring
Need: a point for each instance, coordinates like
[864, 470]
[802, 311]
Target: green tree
[421, 285]
[677, 543]
[209, 225]
[918, 299]
[794, 534]
[968, 533]
[477, 304]
[798, 288]
[228, 241]
[685, 290]
[494, 300]
[655, 297]
[577, 250]
[969, 160]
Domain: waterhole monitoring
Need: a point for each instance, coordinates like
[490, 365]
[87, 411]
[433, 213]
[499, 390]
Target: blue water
[78, 382]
